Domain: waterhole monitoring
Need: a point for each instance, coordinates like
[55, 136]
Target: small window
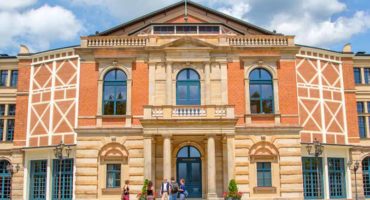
[14, 78]
[186, 29]
[264, 174]
[11, 110]
[2, 109]
[164, 30]
[209, 29]
[362, 126]
[113, 175]
[10, 130]
[360, 107]
[357, 74]
[3, 77]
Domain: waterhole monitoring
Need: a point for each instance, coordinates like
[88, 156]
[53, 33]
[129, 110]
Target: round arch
[113, 151]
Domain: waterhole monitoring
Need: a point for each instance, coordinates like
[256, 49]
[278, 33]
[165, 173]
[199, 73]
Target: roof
[6, 56]
[180, 3]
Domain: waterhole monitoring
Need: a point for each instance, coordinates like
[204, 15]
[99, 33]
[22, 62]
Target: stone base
[212, 196]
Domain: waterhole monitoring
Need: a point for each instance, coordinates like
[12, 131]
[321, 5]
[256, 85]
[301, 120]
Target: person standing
[165, 189]
[126, 191]
[149, 191]
[174, 189]
[182, 190]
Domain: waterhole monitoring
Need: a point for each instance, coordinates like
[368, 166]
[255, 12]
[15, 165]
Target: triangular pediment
[187, 43]
[196, 14]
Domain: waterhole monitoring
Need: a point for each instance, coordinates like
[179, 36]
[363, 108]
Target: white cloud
[37, 27]
[15, 4]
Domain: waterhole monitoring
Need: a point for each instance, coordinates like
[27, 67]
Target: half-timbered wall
[52, 114]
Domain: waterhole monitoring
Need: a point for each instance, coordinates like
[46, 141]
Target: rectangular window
[3, 77]
[366, 176]
[38, 179]
[1, 129]
[209, 29]
[164, 30]
[337, 181]
[2, 109]
[10, 130]
[360, 107]
[63, 179]
[264, 174]
[367, 75]
[362, 126]
[113, 175]
[312, 178]
[186, 29]
[357, 74]
[14, 78]
[11, 109]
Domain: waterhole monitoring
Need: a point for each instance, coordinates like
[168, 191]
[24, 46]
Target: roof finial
[186, 11]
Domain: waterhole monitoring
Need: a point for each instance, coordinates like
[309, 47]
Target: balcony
[189, 112]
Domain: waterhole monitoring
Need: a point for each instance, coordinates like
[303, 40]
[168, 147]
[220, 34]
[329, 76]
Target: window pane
[265, 75]
[337, 181]
[366, 176]
[254, 91]
[360, 107]
[312, 178]
[121, 93]
[120, 107]
[194, 153]
[267, 92]
[209, 29]
[4, 76]
[267, 106]
[109, 108]
[186, 29]
[14, 78]
[367, 75]
[255, 106]
[264, 174]
[194, 92]
[113, 175]
[254, 75]
[66, 181]
[183, 153]
[1, 129]
[181, 91]
[2, 110]
[164, 30]
[120, 75]
[110, 76]
[109, 92]
[357, 74]
[11, 110]
[193, 75]
[38, 179]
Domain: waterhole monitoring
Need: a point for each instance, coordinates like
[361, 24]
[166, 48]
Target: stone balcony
[189, 112]
[159, 40]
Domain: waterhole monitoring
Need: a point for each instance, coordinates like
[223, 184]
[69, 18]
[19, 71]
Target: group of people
[170, 190]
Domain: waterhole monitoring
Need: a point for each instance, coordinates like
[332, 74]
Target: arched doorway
[189, 167]
[5, 180]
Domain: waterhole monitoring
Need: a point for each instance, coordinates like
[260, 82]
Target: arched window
[188, 88]
[5, 180]
[261, 91]
[115, 93]
[366, 176]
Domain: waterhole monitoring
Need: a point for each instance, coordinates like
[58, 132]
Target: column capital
[167, 135]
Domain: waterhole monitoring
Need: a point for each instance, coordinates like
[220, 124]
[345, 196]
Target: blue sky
[48, 24]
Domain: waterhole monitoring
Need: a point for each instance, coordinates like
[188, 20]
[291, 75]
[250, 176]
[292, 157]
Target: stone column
[207, 71]
[230, 157]
[167, 157]
[148, 159]
[169, 83]
[211, 162]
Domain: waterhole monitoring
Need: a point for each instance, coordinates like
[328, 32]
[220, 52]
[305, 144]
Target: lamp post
[317, 151]
[59, 154]
[11, 171]
[356, 165]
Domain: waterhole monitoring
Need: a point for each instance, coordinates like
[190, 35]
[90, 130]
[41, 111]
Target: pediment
[197, 14]
[187, 43]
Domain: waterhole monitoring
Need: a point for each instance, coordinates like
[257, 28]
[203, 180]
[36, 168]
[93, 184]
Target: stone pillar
[211, 162]
[230, 157]
[207, 71]
[169, 84]
[148, 158]
[167, 157]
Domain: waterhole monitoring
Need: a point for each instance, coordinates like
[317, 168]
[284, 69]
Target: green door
[189, 167]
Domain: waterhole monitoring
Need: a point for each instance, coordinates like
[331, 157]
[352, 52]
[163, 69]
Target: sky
[49, 24]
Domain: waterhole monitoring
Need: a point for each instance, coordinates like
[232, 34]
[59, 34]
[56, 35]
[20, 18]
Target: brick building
[197, 95]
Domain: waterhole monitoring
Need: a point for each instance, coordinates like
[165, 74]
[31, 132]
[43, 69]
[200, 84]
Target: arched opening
[115, 92]
[261, 91]
[188, 87]
[189, 167]
[5, 180]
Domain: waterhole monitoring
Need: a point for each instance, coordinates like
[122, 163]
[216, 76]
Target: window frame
[260, 84]
[115, 84]
[13, 80]
[264, 169]
[4, 75]
[5, 181]
[67, 177]
[188, 83]
[116, 173]
[333, 174]
[309, 175]
[366, 176]
[42, 175]
[357, 75]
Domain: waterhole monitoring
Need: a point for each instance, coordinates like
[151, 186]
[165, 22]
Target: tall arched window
[366, 176]
[5, 180]
[261, 91]
[115, 93]
[188, 88]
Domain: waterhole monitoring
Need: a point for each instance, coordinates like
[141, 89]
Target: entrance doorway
[189, 167]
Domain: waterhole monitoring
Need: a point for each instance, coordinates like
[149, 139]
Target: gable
[174, 14]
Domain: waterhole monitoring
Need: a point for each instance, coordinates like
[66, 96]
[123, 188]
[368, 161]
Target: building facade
[185, 92]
